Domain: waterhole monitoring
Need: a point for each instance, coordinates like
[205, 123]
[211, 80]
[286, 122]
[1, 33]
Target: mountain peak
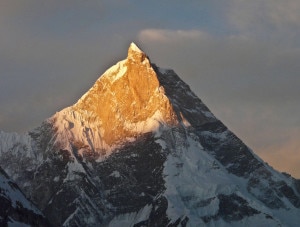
[126, 100]
[134, 47]
[135, 54]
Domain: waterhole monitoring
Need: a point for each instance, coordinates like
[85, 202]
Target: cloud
[276, 13]
[268, 19]
[167, 35]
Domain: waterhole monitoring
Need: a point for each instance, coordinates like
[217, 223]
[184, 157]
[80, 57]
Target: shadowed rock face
[141, 149]
[15, 209]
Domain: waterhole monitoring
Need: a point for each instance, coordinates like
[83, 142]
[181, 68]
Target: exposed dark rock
[20, 212]
[231, 208]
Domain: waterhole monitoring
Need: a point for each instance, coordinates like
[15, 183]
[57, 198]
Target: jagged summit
[136, 54]
[134, 48]
[126, 100]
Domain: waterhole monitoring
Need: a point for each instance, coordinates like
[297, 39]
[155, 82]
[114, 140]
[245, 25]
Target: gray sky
[242, 58]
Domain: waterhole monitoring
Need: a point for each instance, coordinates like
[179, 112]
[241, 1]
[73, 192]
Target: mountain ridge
[141, 149]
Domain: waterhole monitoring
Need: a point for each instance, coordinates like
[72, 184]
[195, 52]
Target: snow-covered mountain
[15, 208]
[141, 149]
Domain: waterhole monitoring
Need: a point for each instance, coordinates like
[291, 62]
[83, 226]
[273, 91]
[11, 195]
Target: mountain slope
[141, 149]
[15, 209]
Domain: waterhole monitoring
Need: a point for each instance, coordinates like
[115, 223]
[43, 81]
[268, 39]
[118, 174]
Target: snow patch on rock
[129, 219]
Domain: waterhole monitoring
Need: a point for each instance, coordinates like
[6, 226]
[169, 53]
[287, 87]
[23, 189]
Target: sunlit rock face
[125, 101]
